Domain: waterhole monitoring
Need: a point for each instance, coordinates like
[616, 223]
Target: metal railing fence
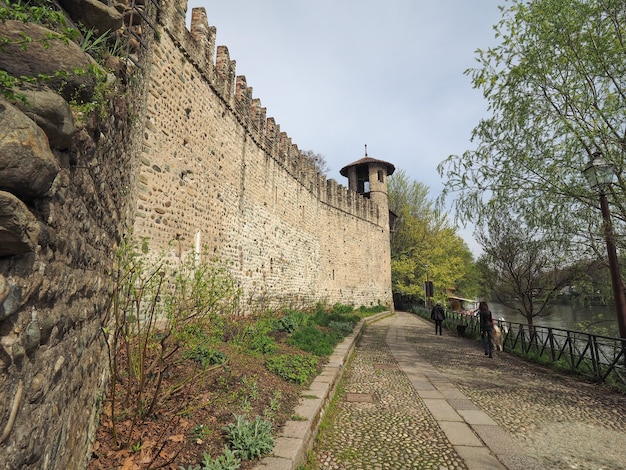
[599, 358]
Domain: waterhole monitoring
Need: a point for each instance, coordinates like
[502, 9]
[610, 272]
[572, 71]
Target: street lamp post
[426, 290]
[599, 174]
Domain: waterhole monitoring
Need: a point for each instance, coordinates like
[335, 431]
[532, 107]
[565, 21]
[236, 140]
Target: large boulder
[94, 14]
[50, 112]
[27, 165]
[42, 55]
[19, 229]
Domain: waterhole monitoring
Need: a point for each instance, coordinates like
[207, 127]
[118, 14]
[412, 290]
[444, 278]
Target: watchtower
[368, 177]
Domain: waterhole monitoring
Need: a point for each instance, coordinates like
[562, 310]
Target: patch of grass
[330, 415]
[315, 341]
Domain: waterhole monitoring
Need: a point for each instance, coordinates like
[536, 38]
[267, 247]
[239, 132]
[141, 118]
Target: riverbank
[595, 319]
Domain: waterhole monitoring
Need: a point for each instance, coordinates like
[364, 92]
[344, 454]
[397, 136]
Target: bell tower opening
[363, 181]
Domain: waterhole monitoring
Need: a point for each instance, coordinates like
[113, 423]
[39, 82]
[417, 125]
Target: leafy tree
[318, 160]
[556, 88]
[423, 242]
[524, 270]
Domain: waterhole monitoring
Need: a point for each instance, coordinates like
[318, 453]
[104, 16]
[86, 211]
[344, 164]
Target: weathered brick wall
[213, 164]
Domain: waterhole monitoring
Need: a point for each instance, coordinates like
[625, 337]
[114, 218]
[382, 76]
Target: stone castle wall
[183, 152]
[215, 168]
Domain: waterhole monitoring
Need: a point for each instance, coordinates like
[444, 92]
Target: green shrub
[226, 461]
[374, 309]
[340, 309]
[250, 439]
[292, 320]
[298, 369]
[253, 333]
[158, 308]
[204, 355]
[312, 339]
[343, 327]
[286, 324]
[263, 344]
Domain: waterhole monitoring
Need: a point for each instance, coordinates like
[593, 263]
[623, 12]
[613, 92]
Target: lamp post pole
[600, 175]
[426, 290]
[616, 277]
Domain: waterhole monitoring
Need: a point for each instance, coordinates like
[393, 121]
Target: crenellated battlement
[198, 45]
[218, 170]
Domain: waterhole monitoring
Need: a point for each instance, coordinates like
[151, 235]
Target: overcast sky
[340, 74]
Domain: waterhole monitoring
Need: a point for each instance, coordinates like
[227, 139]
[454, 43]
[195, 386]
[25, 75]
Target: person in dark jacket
[486, 328]
[438, 314]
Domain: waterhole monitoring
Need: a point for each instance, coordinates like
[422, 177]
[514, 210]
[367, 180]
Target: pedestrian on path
[486, 328]
[438, 314]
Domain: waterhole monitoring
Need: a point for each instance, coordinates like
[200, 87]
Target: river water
[600, 320]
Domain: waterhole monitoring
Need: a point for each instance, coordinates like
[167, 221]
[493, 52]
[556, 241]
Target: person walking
[486, 328]
[438, 314]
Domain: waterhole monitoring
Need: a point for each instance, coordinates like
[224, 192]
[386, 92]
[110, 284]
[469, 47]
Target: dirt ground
[190, 422]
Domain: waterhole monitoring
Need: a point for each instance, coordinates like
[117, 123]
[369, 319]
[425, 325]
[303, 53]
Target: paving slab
[479, 458]
[460, 434]
[476, 417]
[441, 410]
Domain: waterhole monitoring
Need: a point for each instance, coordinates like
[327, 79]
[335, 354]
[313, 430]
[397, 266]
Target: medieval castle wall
[217, 170]
[193, 158]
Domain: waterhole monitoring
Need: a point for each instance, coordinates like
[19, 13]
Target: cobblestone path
[562, 420]
[380, 421]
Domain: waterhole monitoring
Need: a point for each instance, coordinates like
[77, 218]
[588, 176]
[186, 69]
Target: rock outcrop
[27, 165]
[50, 112]
[65, 188]
[68, 67]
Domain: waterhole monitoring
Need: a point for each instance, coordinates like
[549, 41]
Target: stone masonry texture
[216, 171]
[184, 156]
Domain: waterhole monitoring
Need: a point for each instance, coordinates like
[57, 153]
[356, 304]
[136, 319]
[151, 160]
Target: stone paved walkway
[414, 400]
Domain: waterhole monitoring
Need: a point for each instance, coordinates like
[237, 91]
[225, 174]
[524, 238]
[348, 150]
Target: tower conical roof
[366, 161]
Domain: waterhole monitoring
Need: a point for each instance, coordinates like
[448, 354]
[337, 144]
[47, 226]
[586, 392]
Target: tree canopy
[523, 270]
[556, 89]
[424, 244]
[318, 160]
